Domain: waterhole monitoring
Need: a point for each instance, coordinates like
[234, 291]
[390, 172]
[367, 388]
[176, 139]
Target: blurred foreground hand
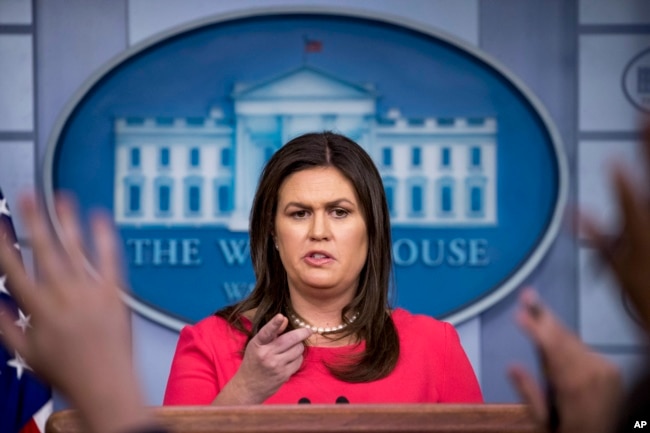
[586, 388]
[80, 338]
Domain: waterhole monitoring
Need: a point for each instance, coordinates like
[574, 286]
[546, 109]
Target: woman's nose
[319, 229]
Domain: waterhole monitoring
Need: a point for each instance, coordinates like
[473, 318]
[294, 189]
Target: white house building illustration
[203, 171]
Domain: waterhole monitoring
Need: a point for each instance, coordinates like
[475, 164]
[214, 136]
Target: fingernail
[534, 308]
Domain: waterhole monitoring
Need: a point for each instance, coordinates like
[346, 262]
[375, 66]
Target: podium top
[411, 418]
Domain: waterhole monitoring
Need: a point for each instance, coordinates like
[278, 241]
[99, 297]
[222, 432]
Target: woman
[317, 328]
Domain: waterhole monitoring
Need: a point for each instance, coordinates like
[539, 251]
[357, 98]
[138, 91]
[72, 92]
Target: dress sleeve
[193, 379]
[459, 384]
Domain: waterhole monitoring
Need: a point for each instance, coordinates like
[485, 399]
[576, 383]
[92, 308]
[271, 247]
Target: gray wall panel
[536, 41]
[82, 33]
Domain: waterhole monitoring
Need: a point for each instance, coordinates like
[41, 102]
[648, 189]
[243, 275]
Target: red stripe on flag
[30, 427]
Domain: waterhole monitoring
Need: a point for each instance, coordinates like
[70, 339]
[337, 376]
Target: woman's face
[320, 233]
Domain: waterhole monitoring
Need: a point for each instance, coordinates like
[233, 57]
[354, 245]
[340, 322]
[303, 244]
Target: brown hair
[271, 294]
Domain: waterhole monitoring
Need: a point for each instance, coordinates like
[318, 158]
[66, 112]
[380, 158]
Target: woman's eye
[340, 213]
[299, 214]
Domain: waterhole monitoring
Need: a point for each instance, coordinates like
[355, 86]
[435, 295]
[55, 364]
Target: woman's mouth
[318, 258]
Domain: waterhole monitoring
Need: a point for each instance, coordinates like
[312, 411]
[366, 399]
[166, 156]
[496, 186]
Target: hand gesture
[587, 389]
[628, 252]
[79, 338]
[270, 359]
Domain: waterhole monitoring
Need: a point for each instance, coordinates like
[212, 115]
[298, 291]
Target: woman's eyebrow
[329, 204]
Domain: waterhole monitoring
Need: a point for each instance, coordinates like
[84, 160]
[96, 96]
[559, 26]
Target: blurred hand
[270, 359]
[628, 252]
[588, 389]
[79, 338]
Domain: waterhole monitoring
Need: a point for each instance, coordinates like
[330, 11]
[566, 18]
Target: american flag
[313, 45]
[25, 402]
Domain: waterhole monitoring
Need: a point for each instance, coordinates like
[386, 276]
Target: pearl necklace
[302, 323]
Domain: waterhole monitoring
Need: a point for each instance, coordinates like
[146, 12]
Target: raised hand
[79, 338]
[587, 388]
[627, 253]
[270, 359]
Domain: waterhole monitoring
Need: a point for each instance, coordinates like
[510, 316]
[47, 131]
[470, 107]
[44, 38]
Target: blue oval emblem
[171, 137]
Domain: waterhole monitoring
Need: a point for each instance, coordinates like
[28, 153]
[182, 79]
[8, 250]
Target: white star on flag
[25, 402]
[4, 207]
[23, 321]
[3, 284]
[19, 364]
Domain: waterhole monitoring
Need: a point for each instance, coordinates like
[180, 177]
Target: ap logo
[178, 130]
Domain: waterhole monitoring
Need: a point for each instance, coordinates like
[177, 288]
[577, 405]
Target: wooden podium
[420, 418]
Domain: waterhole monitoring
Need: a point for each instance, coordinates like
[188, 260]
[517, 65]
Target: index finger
[543, 327]
[271, 330]
[291, 338]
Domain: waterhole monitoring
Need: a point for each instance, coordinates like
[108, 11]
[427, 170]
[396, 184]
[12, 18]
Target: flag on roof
[313, 45]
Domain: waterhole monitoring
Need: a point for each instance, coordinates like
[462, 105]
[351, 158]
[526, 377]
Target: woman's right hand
[270, 359]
